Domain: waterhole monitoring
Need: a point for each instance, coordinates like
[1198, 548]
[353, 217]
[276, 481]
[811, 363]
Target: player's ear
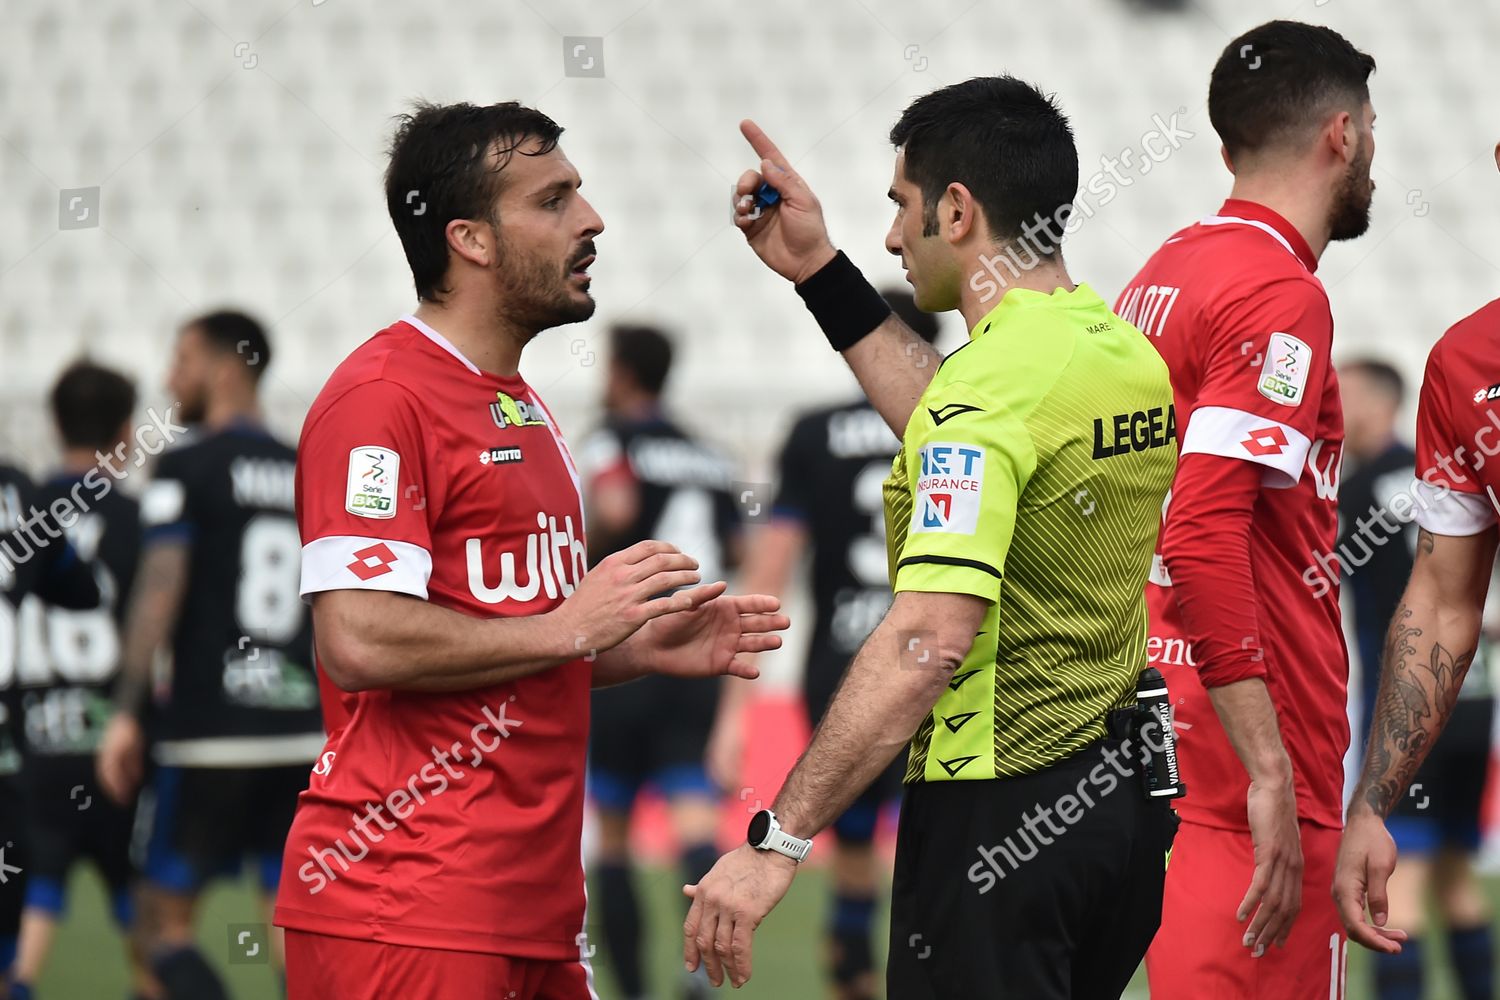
[1497, 156]
[472, 240]
[1224, 155]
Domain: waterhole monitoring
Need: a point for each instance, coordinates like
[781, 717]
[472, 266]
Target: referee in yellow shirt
[1022, 514]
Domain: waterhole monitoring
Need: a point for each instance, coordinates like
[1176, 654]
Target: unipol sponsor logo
[553, 563]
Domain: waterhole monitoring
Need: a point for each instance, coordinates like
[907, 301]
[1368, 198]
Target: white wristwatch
[765, 834]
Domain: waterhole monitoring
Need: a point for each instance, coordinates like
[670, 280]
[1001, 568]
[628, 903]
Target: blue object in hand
[766, 195]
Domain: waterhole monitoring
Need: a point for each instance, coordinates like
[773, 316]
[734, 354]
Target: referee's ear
[957, 213]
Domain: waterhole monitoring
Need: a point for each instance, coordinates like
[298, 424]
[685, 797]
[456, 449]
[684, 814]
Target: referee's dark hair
[1276, 83]
[446, 163]
[1383, 374]
[1001, 138]
[230, 331]
[90, 405]
[904, 304]
[642, 351]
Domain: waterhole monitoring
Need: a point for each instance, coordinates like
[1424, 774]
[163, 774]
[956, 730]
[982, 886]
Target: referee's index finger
[763, 146]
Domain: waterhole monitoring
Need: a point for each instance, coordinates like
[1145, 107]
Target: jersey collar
[1249, 213]
[440, 341]
[1016, 299]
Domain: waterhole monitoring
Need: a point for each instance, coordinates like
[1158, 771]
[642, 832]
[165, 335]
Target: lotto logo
[1265, 441]
[372, 561]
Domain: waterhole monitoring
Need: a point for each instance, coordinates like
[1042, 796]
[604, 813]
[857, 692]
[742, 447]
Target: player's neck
[1296, 199]
[78, 460]
[489, 341]
[229, 409]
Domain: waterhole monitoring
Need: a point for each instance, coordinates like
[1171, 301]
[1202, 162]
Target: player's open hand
[709, 637]
[730, 902]
[1275, 895]
[1367, 857]
[615, 598]
[790, 236]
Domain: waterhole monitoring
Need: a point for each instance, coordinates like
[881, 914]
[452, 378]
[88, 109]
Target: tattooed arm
[1428, 651]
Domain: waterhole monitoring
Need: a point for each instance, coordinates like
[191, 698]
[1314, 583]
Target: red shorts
[1197, 952]
[322, 967]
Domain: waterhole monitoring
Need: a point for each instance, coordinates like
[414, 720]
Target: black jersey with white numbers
[242, 691]
[831, 469]
[36, 560]
[683, 489]
[69, 659]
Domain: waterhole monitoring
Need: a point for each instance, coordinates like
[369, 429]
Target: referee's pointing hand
[790, 236]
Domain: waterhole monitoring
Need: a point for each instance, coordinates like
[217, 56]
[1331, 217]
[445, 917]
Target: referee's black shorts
[1042, 887]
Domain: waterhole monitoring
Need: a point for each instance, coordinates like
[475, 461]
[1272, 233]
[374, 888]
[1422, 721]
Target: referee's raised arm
[892, 363]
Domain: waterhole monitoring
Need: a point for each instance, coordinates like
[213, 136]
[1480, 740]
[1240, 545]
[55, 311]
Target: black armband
[844, 303]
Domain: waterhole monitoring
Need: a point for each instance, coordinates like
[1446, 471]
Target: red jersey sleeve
[1262, 379]
[369, 486]
[1450, 498]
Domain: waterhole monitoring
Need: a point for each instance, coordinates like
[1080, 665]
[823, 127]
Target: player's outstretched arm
[1428, 650]
[155, 603]
[892, 363]
[375, 639]
[876, 710]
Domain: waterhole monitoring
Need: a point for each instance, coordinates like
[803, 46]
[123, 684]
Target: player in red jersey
[436, 853]
[1245, 633]
[1435, 632]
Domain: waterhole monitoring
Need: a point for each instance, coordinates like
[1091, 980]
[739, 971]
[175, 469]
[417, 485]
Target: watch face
[760, 827]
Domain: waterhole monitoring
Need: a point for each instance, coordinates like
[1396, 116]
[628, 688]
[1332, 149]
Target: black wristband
[844, 303]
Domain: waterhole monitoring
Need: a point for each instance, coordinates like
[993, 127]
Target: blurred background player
[1254, 656]
[35, 558]
[233, 733]
[1437, 827]
[644, 477]
[67, 669]
[829, 501]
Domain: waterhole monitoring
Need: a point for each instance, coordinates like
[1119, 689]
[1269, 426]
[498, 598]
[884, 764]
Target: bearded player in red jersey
[436, 853]
[1435, 632]
[1252, 652]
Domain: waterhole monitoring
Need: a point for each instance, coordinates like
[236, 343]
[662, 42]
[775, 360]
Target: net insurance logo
[949, 488]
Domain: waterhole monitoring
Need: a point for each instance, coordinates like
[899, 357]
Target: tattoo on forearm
[1418, 686]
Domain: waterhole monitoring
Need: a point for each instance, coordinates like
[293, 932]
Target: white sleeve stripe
[1231, 433]
[1443, 510]
[358, 562]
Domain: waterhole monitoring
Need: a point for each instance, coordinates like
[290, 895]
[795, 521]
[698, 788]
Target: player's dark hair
[233, 332]
[1000, 137]
[643, 351]
[904, 304]
[446, 163]
[1382, 373]
[1276, 82]
[90, 404]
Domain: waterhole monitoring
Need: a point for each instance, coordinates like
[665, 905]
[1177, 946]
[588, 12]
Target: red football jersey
[1458, 428]
[1234, 308]
[443, 820]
